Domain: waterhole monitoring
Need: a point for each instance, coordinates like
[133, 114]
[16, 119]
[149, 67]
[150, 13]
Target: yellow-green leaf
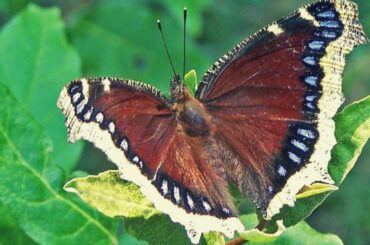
[315, 189]
[191, 81]
[111, 195]
[214, 238]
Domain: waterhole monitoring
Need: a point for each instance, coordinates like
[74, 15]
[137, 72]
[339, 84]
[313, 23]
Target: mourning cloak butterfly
[261, 118]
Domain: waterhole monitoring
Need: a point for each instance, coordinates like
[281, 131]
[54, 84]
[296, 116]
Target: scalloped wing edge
[332, 64]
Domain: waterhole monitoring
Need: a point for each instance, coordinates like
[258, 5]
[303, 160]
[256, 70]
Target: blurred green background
[119, 38]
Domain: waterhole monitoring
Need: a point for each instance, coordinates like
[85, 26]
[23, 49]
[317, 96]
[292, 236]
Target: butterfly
[260, 118]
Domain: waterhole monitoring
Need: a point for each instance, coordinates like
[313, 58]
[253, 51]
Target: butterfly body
[193, 117]
[260, 118]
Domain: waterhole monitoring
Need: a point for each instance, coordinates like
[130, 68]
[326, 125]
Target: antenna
[184, 64]
[165, 45]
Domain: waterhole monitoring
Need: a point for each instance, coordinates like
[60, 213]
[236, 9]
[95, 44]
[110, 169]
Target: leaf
[300, 233]
[191, 81]
[125, 239]
[44, 214]
[116, 197]
[158, 229]
[315, 189]
[111, 195]
[214, 238]
[35, 62]
[11, 233]
[111, 45]
[352, 132]
[255, 235]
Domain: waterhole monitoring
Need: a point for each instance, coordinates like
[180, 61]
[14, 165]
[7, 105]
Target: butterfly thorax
[193, 117]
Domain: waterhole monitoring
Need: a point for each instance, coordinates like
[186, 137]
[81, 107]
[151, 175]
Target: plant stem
[237, 241]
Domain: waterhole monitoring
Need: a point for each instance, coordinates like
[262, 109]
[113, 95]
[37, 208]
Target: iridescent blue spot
[281, 171]
[316, 45]
[327, 14]
[326, 34]
[306, 133]
[329, 24]
[312, 80]
[300, 145]
[310, 98]
[310, 60]
[294, 157]
[74, 87]
[310, 105]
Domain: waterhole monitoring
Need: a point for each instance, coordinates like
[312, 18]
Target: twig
[237, 241]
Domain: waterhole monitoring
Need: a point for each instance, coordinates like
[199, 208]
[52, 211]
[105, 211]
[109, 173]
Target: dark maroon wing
[272, 98]
[134, 125]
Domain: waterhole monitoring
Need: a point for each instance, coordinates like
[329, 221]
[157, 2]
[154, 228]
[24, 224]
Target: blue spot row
[302, 137]
[191, 202]
[298, 147]
[87, 113]
[330, 29]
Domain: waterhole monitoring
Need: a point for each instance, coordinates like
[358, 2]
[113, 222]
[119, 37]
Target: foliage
[41, 62]
[300, 233]
[191, 81]
[42, 48]
[30, 183]
[111, 195]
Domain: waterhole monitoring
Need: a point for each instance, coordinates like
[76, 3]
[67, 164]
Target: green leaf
[255, 235]
[352, 132]
[300, 233]
[111, 45]
[158, 229]
[35, 62]
[111, 195]
[44, 214]
[191, 81]
[127, 239]
[214, 238]
[10, 232]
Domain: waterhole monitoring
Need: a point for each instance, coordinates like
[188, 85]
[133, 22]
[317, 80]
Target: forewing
[273, 97]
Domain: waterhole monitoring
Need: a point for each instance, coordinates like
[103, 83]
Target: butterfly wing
[273, 97]
[135, 126]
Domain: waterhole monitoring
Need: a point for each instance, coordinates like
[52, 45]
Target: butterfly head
[177, 89]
